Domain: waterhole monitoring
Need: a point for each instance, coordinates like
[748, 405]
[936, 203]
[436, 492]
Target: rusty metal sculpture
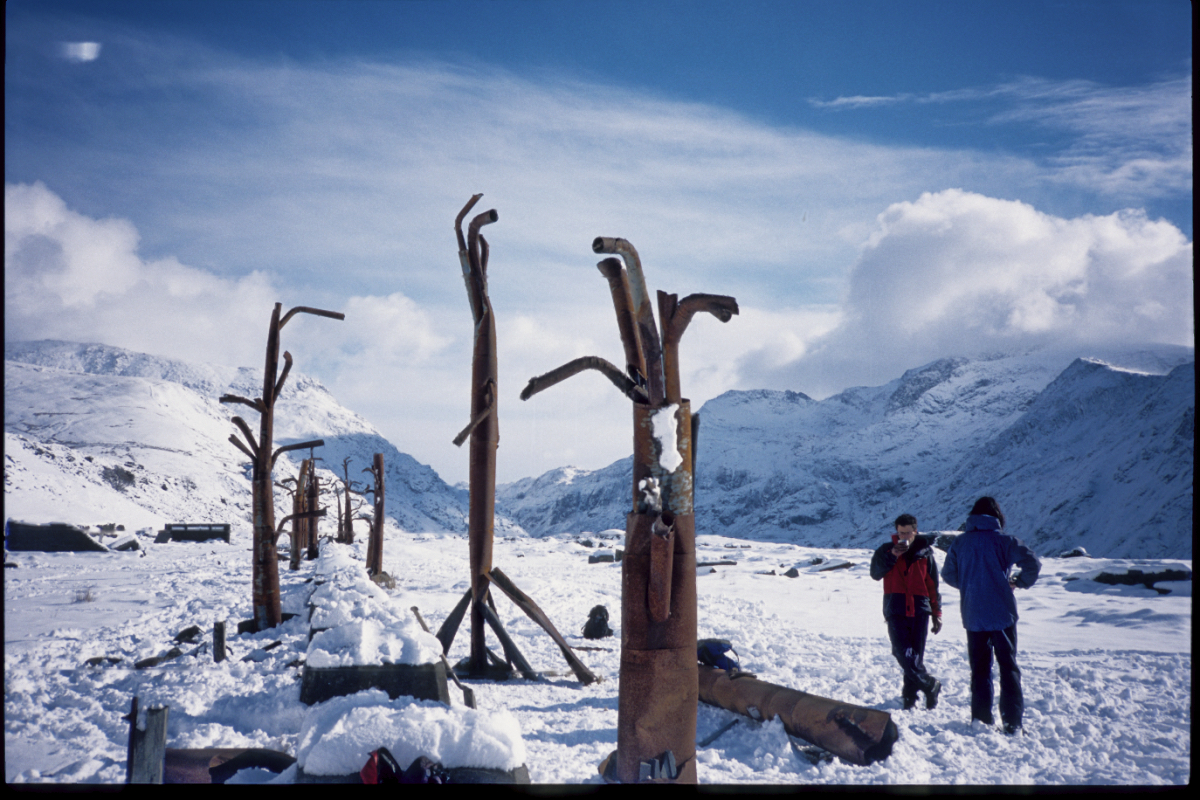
[656, 707]
[297, 488]
[483, 429]
[265, 591]
[484, 433]
[375, 541]
[346, 515]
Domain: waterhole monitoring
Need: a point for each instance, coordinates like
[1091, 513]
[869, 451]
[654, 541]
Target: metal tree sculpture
[346, 517]
[265, 591]
[296, 487]
[484, 428]
[375, 542]
[312, 503]
[656, 706]
[485, 436]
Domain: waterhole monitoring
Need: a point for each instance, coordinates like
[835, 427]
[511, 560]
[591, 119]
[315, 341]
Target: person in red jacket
[910, 599]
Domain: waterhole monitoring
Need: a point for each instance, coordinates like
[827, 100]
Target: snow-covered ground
[1107, 669]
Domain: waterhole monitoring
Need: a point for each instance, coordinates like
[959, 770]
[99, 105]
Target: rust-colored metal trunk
[859, 735]
[312, 504]
[656, 706]
[484, 427]
[265, 570]
[485, 440]
[375, 542]
[300, 522]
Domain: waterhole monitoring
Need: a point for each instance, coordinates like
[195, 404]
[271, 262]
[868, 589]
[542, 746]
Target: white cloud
[79, 52]
[68, 276]
[1125, 141]
[336, 184]
[957, 273]
[950, 273]
[859, 101]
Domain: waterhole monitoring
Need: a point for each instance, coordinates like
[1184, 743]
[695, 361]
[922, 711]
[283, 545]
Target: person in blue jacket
[978, 565]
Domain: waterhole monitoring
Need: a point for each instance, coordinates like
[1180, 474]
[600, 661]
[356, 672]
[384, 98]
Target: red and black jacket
[910, 581]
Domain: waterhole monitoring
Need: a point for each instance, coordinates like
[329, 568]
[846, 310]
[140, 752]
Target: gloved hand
[937, 624]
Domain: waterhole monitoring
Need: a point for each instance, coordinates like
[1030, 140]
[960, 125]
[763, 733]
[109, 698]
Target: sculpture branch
[320, 312]
[618, 285]
[245, 429]
[257, 403]
[618, 378]
[720, 306]
[238, 444]
[297, 446]
[465, 261]
[480, 417]
[287, 367]
[320, 512]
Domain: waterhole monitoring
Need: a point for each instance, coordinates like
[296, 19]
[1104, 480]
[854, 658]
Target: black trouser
[908, 636]
[980, 645]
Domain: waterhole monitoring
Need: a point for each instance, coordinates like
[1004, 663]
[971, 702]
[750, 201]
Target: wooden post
[218, 641]
[147, 748]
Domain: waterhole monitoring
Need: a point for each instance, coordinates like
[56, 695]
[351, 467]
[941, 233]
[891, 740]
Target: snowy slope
[1106, 669]
[1079, 452]
[95, 434]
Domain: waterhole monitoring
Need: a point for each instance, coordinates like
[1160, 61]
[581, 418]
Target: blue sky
[878, 183]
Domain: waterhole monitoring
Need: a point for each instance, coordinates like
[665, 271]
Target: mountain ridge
[115, 423]
[1093, 450]
[778, 465]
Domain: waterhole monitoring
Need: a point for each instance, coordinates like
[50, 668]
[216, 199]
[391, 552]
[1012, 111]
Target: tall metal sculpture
[265, 592]
[484, 428]
[484, 433]
[656, 707]
[375, 541]
[346, 514]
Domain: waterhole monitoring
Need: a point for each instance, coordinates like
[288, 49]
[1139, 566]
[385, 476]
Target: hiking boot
[908, 703]
[1013, 728]
[931, 694]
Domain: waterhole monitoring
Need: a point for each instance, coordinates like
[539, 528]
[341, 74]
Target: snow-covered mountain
[96, 434]
[1088, 449]
[1092, 449]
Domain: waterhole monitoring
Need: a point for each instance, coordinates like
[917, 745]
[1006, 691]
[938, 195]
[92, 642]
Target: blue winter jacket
[977, 565]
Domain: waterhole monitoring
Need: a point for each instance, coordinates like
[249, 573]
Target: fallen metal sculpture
[855, 734]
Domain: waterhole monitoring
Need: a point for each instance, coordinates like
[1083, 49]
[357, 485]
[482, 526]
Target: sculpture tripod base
[501, 669]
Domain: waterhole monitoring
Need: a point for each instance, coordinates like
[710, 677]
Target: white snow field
[1107, 669]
